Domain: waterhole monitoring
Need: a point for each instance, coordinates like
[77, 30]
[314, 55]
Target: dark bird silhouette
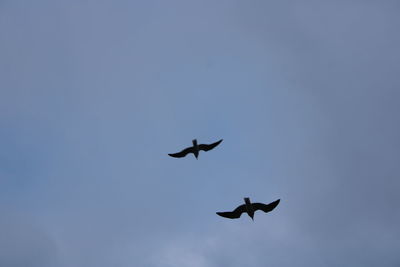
[249, 208]
[195, 149]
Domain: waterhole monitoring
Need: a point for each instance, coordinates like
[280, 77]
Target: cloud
[96, 94]
[24, 244]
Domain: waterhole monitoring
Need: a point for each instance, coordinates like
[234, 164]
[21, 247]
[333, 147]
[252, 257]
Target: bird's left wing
[210, 146]
[182, 153]
[266, 207]
[233, 214]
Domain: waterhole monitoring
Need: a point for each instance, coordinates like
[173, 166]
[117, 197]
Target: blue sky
[94, 94]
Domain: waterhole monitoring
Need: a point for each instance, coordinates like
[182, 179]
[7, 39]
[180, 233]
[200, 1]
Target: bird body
[195, 149]
[249, 208]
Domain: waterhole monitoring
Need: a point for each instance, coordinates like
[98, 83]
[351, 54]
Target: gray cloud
[25, 244]
[96, 94]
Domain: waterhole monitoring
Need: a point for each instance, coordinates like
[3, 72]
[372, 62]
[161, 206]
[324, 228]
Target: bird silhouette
[249, 208]
[195, 149]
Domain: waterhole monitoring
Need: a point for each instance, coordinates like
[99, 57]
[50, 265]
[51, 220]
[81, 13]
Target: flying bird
[195, 149]
[249, 208]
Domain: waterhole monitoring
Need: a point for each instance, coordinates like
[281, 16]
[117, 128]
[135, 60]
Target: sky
[95, 94]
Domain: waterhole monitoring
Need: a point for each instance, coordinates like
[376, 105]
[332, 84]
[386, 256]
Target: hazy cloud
[95, 94]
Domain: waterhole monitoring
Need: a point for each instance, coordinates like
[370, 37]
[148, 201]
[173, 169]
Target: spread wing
[233, 214]
[210, 146]
[182, 153]
[266, 207]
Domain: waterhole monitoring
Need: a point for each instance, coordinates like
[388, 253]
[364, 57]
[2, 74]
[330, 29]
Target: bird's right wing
[233, 214]
[266, 207]
[182, 153]
[210, 146]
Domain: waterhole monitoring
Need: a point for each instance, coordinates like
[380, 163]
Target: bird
[249, 208]
[195, 149]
